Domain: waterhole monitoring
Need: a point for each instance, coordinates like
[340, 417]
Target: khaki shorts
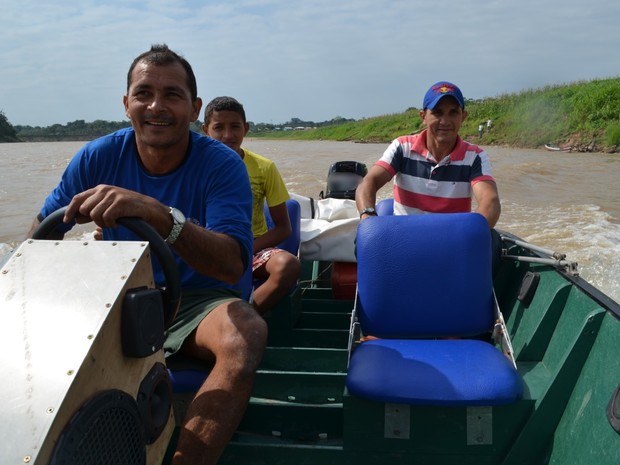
[195, 305]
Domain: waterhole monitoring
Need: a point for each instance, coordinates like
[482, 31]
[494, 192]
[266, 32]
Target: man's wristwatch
[178, 221]
[368, 211]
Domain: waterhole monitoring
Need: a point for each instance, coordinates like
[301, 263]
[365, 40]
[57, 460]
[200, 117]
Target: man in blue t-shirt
[195, 193]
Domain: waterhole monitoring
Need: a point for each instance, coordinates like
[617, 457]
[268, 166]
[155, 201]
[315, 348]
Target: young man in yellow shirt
[225, 121]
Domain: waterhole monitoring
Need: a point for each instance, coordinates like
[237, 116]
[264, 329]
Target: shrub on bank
[613, 134]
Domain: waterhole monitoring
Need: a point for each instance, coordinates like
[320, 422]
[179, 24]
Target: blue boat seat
[425, 292]
[385, 207]
[187, 374]
[291, 243]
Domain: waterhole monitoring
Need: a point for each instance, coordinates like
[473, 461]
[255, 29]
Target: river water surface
[568, 202]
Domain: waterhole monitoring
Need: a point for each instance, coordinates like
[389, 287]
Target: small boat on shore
[467, 347]
[555, 148]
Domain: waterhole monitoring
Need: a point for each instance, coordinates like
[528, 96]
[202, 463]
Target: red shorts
[263, 257]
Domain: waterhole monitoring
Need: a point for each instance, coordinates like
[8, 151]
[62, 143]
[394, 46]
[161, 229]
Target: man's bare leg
[235, 336]
[282, 272]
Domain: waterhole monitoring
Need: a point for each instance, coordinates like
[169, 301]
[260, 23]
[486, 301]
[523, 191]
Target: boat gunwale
[590, 290]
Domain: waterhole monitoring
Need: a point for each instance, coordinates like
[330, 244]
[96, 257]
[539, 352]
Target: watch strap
[368, 211]
[177, 227]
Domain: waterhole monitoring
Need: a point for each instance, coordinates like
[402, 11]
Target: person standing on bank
[225, 121]
[195, 192]
[434, 171]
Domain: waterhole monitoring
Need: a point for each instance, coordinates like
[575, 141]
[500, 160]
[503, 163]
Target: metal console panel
[60, 330]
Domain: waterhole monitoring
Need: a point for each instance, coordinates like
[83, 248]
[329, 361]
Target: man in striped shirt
[434, 171]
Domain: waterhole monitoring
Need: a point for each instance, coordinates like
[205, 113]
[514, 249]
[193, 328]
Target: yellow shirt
[267, 183]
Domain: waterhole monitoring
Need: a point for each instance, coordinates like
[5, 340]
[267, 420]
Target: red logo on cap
[443, 89]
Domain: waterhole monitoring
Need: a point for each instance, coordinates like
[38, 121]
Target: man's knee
[286, 268]
[246, 323]
[233, 329]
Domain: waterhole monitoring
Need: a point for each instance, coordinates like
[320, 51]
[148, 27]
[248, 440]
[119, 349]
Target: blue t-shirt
[210, 187]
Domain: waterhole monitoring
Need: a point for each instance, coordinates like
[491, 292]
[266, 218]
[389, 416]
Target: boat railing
[545, 256]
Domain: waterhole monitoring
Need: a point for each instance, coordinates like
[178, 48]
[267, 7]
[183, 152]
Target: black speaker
[155, 402]
[142, 325]
[106, 430]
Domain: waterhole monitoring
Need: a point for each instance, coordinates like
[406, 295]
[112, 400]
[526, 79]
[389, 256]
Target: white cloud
[314, 60]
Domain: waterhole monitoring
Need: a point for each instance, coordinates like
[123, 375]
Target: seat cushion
[187, 380]
[449, 372]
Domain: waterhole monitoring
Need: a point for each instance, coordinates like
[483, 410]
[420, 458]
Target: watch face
[177, 216]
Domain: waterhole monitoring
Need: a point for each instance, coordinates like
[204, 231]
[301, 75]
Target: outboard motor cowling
[343, 178]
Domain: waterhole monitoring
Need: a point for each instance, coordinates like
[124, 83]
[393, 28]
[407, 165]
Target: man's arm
[213, 254]
[366, 192]
[487, 198]
[280, 231]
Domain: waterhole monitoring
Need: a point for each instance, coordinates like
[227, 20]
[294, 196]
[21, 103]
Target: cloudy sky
[65, 60]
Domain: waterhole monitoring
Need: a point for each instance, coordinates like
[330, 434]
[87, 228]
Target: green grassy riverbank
[582, 115]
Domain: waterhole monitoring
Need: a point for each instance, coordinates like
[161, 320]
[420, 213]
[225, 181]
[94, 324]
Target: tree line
[76, 130]
[7, 131]
[82, 130]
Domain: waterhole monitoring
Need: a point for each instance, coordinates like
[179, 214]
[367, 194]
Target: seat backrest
[385, 207]
[426, 275]
[291, 243]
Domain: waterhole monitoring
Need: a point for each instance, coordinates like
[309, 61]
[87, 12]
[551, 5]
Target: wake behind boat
[390, 349]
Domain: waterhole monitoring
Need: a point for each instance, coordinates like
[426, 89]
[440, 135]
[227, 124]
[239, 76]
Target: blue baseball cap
[438, 91]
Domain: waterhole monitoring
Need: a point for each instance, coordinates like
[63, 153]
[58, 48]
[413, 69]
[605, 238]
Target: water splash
[584, 233]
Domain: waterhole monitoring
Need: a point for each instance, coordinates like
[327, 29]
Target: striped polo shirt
[423, 185]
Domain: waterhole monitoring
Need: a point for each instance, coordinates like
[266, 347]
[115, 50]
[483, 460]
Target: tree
[7, 131]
